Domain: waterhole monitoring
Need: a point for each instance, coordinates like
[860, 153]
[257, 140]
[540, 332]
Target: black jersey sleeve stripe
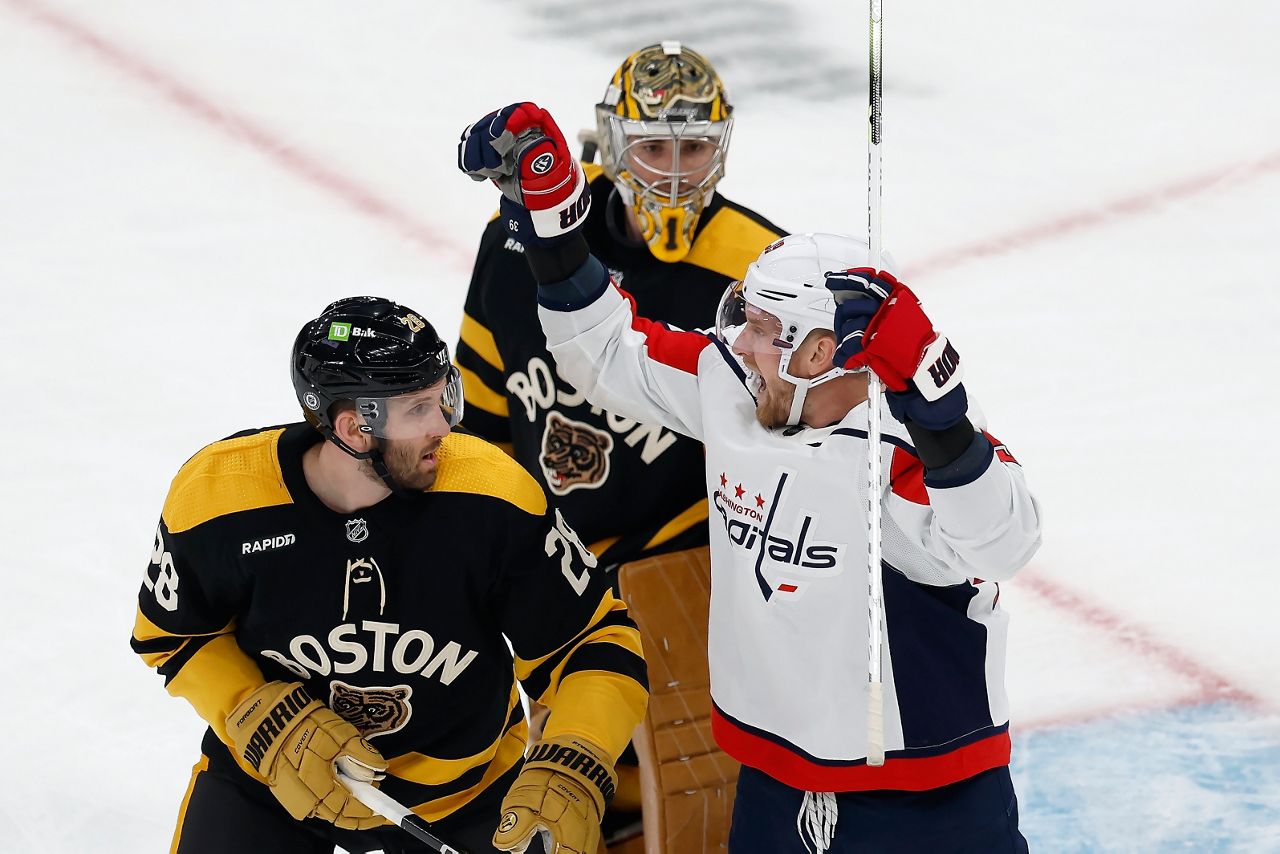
[156, 646]
[608, 657]
[539, 680]
[181, 655]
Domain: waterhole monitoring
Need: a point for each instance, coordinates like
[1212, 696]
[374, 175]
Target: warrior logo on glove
[545, 195]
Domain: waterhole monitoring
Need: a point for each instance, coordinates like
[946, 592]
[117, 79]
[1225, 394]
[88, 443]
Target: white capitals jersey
[788, 633]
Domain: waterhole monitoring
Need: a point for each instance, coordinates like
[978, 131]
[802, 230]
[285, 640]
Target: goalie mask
[783, 298]
[663, 130]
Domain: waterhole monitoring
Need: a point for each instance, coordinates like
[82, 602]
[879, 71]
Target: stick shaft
[875, 476]
[388, 807]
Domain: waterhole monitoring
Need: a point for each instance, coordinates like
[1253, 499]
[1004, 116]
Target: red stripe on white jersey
[906, 477]
[897, 773]
[1002, 452]
[672, 347]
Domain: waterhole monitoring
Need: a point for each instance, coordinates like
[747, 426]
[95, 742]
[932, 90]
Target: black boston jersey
[631, 489]
[394, 614]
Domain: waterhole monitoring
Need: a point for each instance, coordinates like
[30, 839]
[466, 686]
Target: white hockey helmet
[785, 293]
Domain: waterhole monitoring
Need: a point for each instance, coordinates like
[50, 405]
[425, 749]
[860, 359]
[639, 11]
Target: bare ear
[819, 351]
[346, 426]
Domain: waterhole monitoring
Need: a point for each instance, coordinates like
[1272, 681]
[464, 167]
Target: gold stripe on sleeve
[480, 395]
[480, 339]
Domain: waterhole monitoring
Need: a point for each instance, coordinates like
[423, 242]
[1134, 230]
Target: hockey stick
[875, 582]
[388, 807]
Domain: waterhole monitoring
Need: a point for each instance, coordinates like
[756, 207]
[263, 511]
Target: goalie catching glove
[561, 792]
[545, 195]
[295, 743]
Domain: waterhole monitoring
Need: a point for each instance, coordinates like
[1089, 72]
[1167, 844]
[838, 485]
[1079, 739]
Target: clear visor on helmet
[431, 411]
[748, 330]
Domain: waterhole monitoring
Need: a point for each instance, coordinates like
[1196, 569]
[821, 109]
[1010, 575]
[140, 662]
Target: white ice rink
[1085, 194]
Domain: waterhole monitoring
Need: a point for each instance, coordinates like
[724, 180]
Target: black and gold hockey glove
[561, 792]
[294, 743]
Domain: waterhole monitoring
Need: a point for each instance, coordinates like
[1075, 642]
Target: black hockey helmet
[365, 351]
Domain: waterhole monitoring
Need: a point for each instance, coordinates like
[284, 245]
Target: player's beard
[407, 464]
[773, 401]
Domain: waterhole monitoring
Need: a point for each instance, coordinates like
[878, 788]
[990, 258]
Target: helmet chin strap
[802, 385]
[375, 459]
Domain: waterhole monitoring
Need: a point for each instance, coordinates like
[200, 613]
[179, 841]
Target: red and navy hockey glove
[545, 195]
[881, 326]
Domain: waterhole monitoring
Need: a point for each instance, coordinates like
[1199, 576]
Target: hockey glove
[881, 326]
[294, 742]
[561, 792]
[545, 195]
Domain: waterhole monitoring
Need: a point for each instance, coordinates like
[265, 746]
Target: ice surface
[1085, 194]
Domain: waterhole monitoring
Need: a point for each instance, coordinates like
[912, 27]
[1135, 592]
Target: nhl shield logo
[357, 530]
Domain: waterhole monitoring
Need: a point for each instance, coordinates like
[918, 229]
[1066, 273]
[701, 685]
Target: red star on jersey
[759, 500]
[724, 481]
[738, 490]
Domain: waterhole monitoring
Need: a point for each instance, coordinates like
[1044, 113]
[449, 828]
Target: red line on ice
[1105, 214]
[1209, 685]
[241, 129]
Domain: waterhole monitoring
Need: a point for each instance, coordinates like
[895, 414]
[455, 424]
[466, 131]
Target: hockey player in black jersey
[658, 221]
[335, 593]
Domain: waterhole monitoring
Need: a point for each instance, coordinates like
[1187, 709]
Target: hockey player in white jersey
[778, 397]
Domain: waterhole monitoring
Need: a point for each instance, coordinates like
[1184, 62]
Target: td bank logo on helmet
[339, 331]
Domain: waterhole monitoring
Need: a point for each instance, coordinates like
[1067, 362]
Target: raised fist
[545, 195]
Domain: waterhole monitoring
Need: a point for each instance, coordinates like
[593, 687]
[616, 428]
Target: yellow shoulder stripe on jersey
[480, 339]
[430, 771]
[729, 242]
[470, 464]
[227, 477]
[510, 751]
[688, 517]
[477, 394]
